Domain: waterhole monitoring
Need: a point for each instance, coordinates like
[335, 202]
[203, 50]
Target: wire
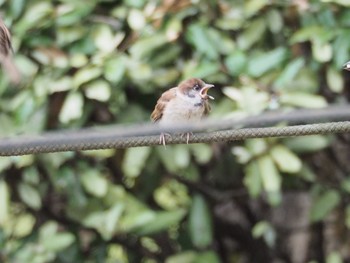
[148, 134]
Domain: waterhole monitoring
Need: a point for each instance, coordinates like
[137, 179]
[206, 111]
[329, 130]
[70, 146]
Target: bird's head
[346, 66]
[195, 88]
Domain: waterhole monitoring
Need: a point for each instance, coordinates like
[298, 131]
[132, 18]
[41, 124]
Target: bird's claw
[188, 134]
[162, 138]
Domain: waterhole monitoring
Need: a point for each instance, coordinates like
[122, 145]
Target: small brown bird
[6, 54]
[188, 102]
[346, 66]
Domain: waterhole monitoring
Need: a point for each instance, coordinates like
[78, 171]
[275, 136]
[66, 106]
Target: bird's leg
[162, 138]
[188, 135]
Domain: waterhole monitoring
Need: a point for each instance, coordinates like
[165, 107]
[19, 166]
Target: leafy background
[87, 63]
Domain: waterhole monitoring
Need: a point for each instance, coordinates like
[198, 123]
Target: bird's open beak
[346, 66]
[204, 91]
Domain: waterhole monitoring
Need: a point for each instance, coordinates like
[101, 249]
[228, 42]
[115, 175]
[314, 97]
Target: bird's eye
[196, 87]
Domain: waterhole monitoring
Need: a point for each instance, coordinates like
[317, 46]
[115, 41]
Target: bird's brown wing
[161, 103]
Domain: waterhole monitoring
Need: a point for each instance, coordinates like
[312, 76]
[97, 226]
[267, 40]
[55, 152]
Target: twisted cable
[42, 144]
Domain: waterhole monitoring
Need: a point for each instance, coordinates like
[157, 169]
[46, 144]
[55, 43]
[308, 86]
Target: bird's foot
[162, 138]
[187, 134]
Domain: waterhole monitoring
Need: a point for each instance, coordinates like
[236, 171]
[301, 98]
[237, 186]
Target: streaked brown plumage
[188, 102]
[6, 54]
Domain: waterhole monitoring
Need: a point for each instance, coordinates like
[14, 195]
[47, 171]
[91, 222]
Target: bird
[346, 66]
[6, 54]
[187, 102]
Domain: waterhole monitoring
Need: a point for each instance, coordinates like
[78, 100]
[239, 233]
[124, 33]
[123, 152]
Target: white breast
[182, 109]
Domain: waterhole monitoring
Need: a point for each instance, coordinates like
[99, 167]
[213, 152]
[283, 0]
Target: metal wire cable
[121, 136]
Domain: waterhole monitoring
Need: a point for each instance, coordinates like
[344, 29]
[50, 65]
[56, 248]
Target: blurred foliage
[87, 63]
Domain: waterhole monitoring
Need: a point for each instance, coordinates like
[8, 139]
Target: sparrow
[346, 66]
[188, 102]
[6, 54]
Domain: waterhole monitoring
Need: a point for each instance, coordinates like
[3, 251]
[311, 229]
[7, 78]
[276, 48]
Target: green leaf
[250, 100]
[252, 34]
[57, 242]
[171, 195]
[264, 229]
[347, 216]
[31, 175]
[339, 2]
[35, 16]
[324, 204]
[198, 35]
[307, 144]
[262, 63]
[183, 257]
[17, 7]
[135, 160]
[260, 228]
[86, 74]
[275, 21]
[167, 156]
[135, 3]
[160, 222]
[312, 33]
[48, 229]
[335, 80]
[252, 179]
[5, 163]
[8, 127]
[78, 60]
[202, 153]
[252, 7]
[299, 99]
[345, 184]
[285, 159]
[256, 146]
[146, 45]
[236, 62]
[139, 72]
[24, 161]
[270, 176]
[58, 85]
[68, 35]
[203, 70]
[98, 90]
[322, 52]
[136, 19]
[182, 156]
[334, 257]
[307, 174]
[289, 72]
[200, 223]
[115, 68]
[26, 66]
[29, 195]
[4, 202]
[72, 107]
[207, 257]
[104, 38]
[73, 13]
[24, 224]
[106, 222]
[341, 47]
[94, 183]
